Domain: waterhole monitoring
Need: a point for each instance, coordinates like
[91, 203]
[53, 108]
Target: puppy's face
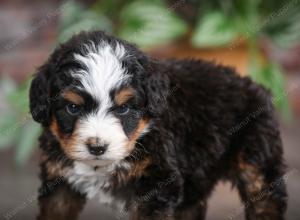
[95, 100]
[98, 122]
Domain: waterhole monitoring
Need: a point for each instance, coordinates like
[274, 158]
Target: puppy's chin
[94, 160]
[98, 162]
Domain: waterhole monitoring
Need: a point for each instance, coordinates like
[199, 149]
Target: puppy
[151, 137]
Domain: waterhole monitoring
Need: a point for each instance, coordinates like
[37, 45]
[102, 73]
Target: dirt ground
[18, 188]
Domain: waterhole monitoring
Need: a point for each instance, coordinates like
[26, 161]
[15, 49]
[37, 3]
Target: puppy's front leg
[156, 201]
[58, 201]
[145, 212]
[155, 215]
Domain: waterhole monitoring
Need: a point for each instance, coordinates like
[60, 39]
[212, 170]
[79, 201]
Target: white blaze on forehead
[103, 73]
[104, 70]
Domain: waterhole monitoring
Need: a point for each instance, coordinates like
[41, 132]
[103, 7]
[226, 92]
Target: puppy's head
[97, 96]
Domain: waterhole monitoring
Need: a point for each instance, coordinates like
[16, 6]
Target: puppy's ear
[39, 97]
[157, 88]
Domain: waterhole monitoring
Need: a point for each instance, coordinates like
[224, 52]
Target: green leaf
[272, 78]
[16, 99]
[70, 13]
[27, 141]
[19, 98]
[9, 129]
[214, 30]
[284, 28]
[76, 18]
[7, 85]
[150, 23]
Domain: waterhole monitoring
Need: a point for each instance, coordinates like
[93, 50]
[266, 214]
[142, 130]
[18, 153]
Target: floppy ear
[39, 97]
[157, 88]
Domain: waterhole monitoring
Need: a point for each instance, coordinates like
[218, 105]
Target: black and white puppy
[149, 136]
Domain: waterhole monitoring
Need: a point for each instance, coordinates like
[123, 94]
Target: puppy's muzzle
[97, 150]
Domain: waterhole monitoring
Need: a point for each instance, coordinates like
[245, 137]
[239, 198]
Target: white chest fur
[90, 181]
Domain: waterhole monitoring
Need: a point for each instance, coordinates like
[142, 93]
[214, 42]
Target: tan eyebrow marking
[73, 97]
[123, 95]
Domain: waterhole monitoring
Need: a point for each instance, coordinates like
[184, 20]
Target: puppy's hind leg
[264, 198]
[259, 174]
[258, 169]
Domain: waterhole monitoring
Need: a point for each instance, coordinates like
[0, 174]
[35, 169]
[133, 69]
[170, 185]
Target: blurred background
[260, 38]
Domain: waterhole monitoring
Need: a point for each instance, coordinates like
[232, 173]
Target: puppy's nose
[97, 150]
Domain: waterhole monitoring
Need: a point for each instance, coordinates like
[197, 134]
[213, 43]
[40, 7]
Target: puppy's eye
[73, 109]
[122, 110]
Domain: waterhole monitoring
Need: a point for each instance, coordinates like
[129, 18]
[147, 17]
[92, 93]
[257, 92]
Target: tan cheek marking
[143, 123]
[124, 95]
[67, 142]
[137, 169]
[73, 97]
[54, 128]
